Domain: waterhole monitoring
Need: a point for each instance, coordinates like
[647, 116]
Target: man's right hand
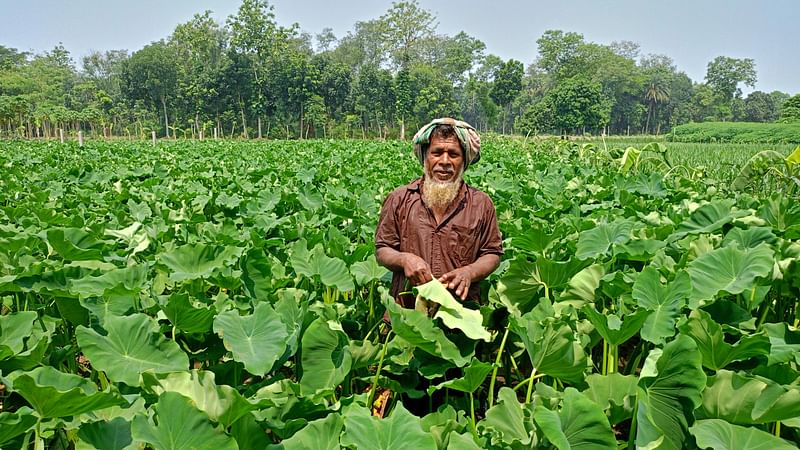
[416, 269]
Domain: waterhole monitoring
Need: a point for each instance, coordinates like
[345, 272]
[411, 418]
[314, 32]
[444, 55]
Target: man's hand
[416, 269]
[458, 280]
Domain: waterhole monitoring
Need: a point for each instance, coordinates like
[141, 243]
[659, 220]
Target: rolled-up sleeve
[491, 241]
[387, 234]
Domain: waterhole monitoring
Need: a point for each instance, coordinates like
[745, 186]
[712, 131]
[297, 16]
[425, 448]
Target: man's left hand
[458, 280]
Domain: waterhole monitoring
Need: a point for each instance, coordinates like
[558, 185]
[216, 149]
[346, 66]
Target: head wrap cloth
[467, 136]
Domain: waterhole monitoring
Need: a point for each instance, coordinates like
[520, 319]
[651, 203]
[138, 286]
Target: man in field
[437, 226]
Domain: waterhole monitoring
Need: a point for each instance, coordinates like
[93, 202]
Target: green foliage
[738, 132]
[221, 294]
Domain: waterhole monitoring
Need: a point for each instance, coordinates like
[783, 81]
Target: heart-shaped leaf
[670, 388]
[400, 430]
[665, 302]
[454, 314]
[728, 269]
[132, 344]
[718, 434]
[56, 394]
[256, 340]
[178, 425]
[717, 353]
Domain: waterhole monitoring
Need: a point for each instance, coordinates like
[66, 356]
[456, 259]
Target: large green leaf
[474, 374]
[16, 424]
[599, 240]
[454, 314]
[325, 358]
[665, 302]
[670, 388]
[419, 330]
[784, 343]
[221, 403]
[747, 400]
[510, 421]
[15, 329]
[178, 425]
[367, 271]
[56, 394]
[579, 424]
[707, 219]
[614, 393]
[581, 287]
[320, 434]
[552, 347]
[331, 271]
[750, 237]
[717, 353]
[400, 430]
[728, 269]
[193, 261]
[129, 279]
[132, 344]
[718, 434]
[23, 341]
[613, 329]
[111, 435]
[187, 315]
[74, 244]
[256, 340]
[525, 279]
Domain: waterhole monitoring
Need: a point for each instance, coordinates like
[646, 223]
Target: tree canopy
[253, 77]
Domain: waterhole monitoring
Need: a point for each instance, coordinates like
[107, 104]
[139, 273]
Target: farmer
[437, 226]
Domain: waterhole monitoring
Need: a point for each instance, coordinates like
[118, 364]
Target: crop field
[223, 295]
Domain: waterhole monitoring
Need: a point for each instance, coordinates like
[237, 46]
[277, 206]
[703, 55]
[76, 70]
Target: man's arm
[414, 267]
[462, 278]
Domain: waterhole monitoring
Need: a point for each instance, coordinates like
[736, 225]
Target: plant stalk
[496, 367]
[371, 396]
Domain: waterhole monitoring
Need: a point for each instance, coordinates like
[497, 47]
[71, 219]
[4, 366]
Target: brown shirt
[468, 231]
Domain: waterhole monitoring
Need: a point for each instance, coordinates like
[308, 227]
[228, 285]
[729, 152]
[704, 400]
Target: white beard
[439, 194]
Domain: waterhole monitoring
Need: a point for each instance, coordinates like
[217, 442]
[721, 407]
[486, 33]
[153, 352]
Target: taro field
[222, 295]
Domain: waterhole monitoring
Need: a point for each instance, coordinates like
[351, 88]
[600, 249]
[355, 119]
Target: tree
[507, 85]
[200, 46]
[404, 98]
[724, 75]
[11, 57]
[790, 110]
[760, 107]
[579, 104]
[559, 53]
[405, 27]
[657, 92]
[255, 35]
[150, 75]
[325, 40]
[456, 56]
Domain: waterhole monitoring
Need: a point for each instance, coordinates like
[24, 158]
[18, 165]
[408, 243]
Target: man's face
[444, 161]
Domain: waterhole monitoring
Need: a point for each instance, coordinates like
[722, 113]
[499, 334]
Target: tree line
[252, 77]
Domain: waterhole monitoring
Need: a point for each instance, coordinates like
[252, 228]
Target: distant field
[739, 132]
[722, 160]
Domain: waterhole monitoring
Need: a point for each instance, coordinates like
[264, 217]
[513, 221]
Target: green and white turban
[469, 138]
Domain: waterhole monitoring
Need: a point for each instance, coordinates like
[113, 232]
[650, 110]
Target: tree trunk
[402, 130]
[259, 127]
[244, 122]
[301, 120]
[166, 119]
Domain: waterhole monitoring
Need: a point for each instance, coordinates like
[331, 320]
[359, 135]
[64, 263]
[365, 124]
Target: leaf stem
[371, 397]
[472, 415]
[496, 367]
[530, 386]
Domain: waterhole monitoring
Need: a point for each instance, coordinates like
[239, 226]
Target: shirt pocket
[462, 241]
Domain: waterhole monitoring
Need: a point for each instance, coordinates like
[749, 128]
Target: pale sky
[692, 32]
